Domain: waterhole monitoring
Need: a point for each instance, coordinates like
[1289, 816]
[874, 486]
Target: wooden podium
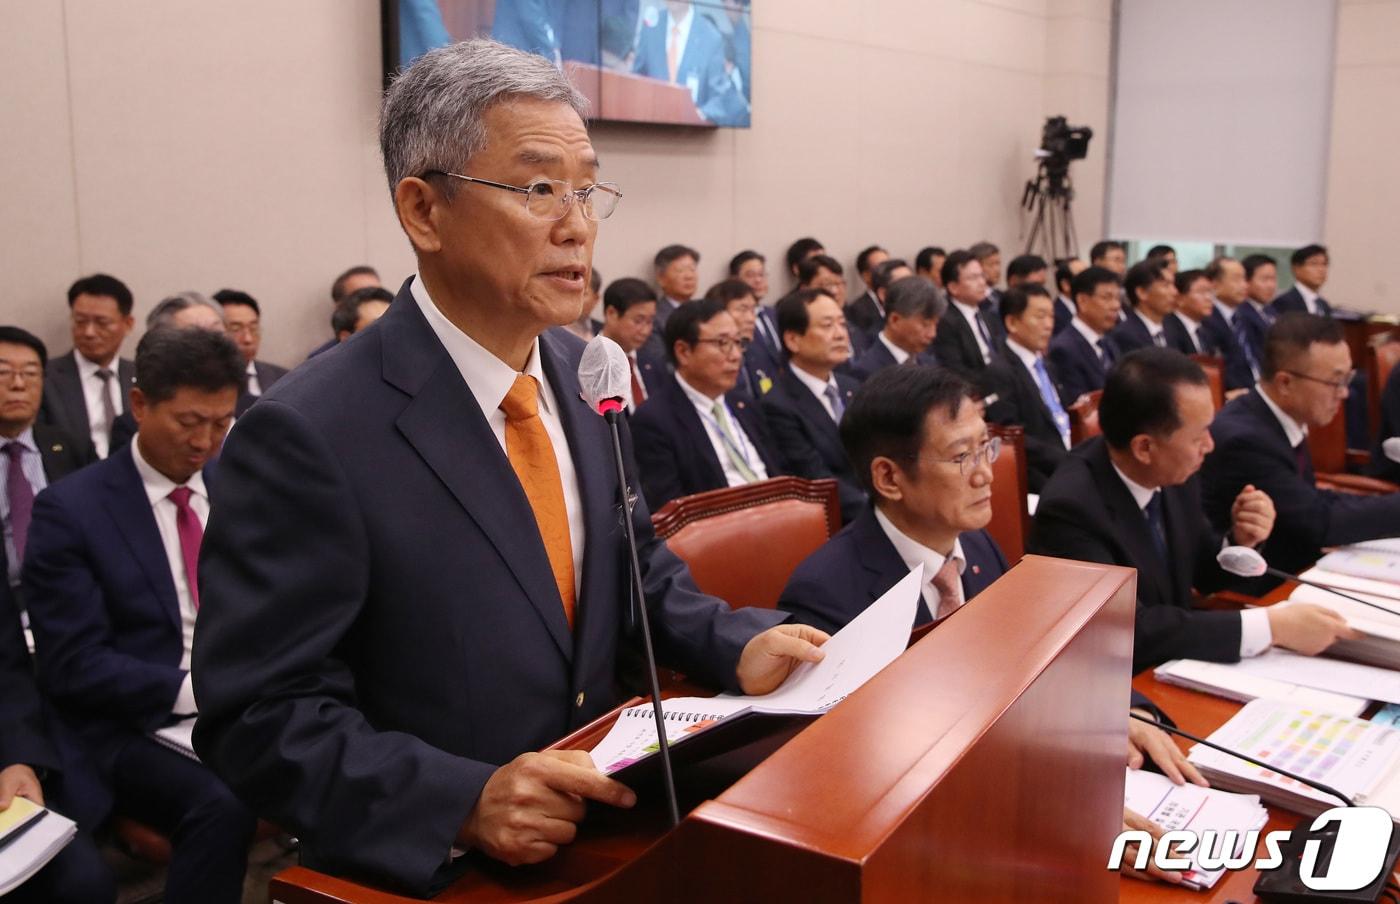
[623, 97]
[985, 764]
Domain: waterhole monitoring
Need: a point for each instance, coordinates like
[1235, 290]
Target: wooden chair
[1332, 460]
[743, 543]
[1084, 417]
[1214, 366]
[1011, 517]
[1382, 358]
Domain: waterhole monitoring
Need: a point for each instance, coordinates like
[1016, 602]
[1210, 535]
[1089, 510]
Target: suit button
[578, 701]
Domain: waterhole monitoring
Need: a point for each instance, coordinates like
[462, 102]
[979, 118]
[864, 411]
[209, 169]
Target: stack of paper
[30, 836]
[1234, 683]
[178, 737]
[1377, 560]
[1200, 810]
[1325, 674]
[1356, 757]
[1381, 626]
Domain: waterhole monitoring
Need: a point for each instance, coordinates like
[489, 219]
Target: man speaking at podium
[416, 573]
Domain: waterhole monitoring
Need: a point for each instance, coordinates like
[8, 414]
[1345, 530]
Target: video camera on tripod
[1047, 196]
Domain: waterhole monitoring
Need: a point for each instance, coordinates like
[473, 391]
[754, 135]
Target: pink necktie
[191, 535]
[948, 583]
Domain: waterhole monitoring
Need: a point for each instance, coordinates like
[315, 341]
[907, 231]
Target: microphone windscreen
[1391, 448]
[1242, 561]
[603, 372]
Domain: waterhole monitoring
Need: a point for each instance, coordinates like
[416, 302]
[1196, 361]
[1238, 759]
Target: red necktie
[191, 535]
[639, 392]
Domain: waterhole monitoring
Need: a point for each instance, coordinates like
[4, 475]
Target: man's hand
[1232, 394]
[770, 657]
[532, 805]
[1251, 517]
[19, 781]
[1132, 820]
[1308, 629]
[1148, 742]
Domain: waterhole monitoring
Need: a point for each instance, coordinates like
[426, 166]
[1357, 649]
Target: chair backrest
[743, 543]
[1084, 418]
[1010, 514]
[1383, 357]
[1214, 366]
[1328, 445]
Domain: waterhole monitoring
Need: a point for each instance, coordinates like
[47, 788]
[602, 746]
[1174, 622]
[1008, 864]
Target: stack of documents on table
[1235, 683]
[1370, 572]
[1200, 810]
[872, 640]
[30, 836]
[1324, 673]
[1357, 757]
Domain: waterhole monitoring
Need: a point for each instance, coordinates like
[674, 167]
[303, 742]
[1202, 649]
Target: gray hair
[431, 118]
[914, 296]
[163, 314]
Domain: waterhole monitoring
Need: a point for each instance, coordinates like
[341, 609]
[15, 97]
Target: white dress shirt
[1255, 634]
[1069, 303]
[92, 397]
[158, 488]
[254, 387]
[1225, 311]
[1309, 298]
[870, 293]
[490, 379]
[1193, 329]
[1089, 334]
[914, 553]
[899, 354]
[1029, 358]
[817, 386]
[970, 313]
[1295, 431]
[1153, 329]
[704, 406]
[31, 464]
[636, 366]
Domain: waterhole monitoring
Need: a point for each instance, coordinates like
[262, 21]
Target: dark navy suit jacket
[103, 606]
[1019, 402]
[1132, 334]
[1292, 300]
[762, 360]
[1252, 448]
[1087, 513]
[956, 346]
[808, 440]
[701, 67]
[864, 313]
[1238, 374]
[857, 566]
[380, 628]
[1209, 340]
[674, 454]
[1063, 314]
[1077, 364]
[877, 357]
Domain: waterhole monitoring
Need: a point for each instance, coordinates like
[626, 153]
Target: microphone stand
[611, 412]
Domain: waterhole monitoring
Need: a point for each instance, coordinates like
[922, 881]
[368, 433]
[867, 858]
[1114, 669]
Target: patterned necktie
[1105, 356]
[1155, 523]
[1159, 339]
[948, 583]
[191, 535]
[531, 456]
[1052, 399]
[986, 337]
[731, 442]
[838, 407]
[20, 496]
[109, 411]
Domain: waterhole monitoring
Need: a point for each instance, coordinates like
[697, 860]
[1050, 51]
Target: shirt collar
[813, 383]
[1225, 310]
[488, 377]
[1295, 431]
[157, 485]
[697, 398]
[87, 370]
[899, 354]
[1152, 328]
[25, 441]
[1028, 357]
[252, 369]
[1141, 494]
[1069, 303]
[1086, 331]
[1256, 305]
[969, 310]
[913, 553]
[1309, 296]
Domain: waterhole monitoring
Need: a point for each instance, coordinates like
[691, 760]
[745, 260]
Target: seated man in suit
[1260, 287]
[109, 579]
[77, 875]
[1130, 497]
[243, 320]
[85, 390]
[1150, 321]
[913, 306]
[825, 274]
[358, 310]
[32, 455]
[1309, 273]
[443, 592]
[355, 278]
[1166, 256]
[867, 312]
[928, 263]
[1026, 268]
[1193, 309]
[737, 299]
[752, 268]
[1261, 439]
[677, 281]
[1082, 354]
[966, 340]
[1065, 272]
[805, 405]
[629, 316]
[698, 432]
[1026, 389]
[886, 273]
[800, 250]
[988, 256]
[1229, 324]
[1110, 255]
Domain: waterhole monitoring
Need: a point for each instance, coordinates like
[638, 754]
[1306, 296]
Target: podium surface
[985, 764]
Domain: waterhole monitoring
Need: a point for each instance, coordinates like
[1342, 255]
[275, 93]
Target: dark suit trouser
[77, 875]
[210, 829]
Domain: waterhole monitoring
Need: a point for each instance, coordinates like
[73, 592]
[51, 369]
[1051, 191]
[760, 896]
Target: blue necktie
[1052, 399]
[1237, 327]
[1157, 525]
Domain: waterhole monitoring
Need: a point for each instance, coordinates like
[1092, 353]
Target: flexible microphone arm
[1246, 562]
[1274, 572]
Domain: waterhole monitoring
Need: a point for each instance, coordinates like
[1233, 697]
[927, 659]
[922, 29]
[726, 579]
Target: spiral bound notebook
[699, 727]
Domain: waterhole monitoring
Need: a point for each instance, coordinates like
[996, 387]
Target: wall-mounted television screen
[659, 61]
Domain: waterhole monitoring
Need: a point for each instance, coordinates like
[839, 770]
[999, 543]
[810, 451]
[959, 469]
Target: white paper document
[1200, 810]
[31, 836]
[178, 737]
[1326, 674]
[1233, 683]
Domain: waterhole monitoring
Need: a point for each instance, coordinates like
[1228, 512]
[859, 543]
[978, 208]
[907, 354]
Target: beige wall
[1363, 185]
[207, 144]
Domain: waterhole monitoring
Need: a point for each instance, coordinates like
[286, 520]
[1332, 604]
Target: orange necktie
[531, 456]
[672, 61]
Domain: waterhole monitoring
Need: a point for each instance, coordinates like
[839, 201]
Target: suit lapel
[130, 509]
[1133, 531]
[880, 560]
[813, 412]
[688, 420]
[69, 390]
[126, 377]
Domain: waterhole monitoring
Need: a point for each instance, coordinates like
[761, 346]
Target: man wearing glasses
[698, 432]
[414, 576]
[243, 321]
[1261, 438]
[87, 388]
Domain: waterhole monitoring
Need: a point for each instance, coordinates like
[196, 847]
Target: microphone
[1391, 448]
[1248, 563]
[604, 377]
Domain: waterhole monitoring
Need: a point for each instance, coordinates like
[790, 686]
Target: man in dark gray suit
[243, 321]
[85, 390]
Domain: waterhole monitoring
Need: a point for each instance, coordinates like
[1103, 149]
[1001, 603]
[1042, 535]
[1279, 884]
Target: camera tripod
[1047, 199]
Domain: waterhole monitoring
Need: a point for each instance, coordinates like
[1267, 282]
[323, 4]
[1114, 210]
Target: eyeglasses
[550, 199]
[986, 453]
[727, 344]
[239, 329]
[1337, 387]
[102, 324]
[26, 374]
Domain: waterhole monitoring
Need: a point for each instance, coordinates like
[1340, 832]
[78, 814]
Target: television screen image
[676, 62]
